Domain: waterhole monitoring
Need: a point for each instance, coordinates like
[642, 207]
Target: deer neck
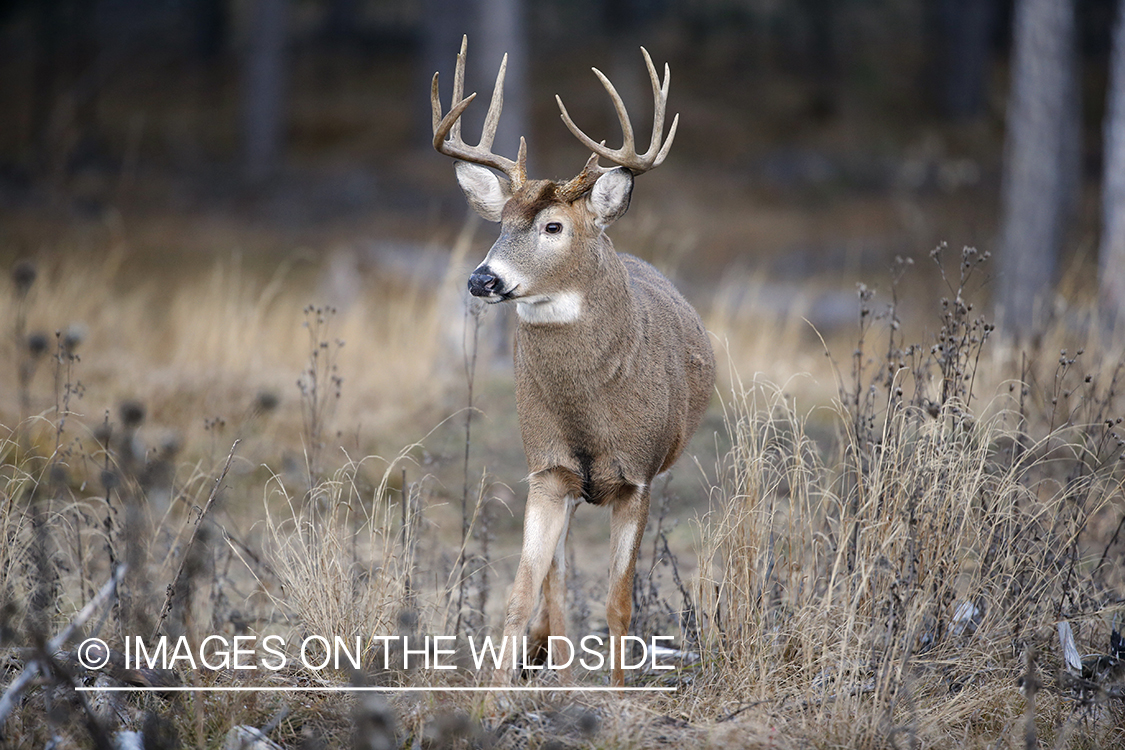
[586, 328]
[563, 308]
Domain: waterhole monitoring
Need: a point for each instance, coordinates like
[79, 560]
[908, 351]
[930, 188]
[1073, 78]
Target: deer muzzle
[484, 283]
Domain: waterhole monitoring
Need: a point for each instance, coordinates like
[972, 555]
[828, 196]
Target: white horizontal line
[370, 689]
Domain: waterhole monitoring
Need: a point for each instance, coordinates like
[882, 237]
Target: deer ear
[609, 198]
[484, 189]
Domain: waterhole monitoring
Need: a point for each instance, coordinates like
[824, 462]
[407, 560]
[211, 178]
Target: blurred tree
[1039, 160]
[341, 20]
[500, 28]
[495, 27]
[443, 23]
[960, 35]
[823, 20]
[210, 19]
[629, 25]
[264, 82]
[1111, 253]
[48, 27]
[69, 72]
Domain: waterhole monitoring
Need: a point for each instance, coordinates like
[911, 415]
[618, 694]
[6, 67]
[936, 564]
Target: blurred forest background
[817, 134]
[163, 145]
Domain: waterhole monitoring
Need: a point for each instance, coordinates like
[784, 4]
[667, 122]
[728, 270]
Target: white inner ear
[609, 198]
[483, 188]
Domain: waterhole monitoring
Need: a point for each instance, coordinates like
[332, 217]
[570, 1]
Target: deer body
[613, 397]
[613, 368]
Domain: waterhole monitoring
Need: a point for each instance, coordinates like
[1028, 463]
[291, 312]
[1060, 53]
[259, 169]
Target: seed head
[588, 723]
[170, 445]
[24, 273]
[74, 335]
[37, 344]
[407, 618]
[265, 402]
[103, 431]
[132, 414]
[59, 474]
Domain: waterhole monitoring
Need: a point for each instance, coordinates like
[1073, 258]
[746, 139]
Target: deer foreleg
[630, 514]
[546, 516]
[551, 619]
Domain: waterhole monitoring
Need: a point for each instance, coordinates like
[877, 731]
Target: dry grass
[340, 554]
[207, 345]
[886, 549]
[840, 594]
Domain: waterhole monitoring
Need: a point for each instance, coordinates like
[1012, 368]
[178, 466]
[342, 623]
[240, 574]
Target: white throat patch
[564, 307]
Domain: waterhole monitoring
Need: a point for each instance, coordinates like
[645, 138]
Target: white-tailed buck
[613, 368]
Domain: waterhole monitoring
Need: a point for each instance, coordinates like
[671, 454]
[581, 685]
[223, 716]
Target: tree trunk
[263, 89]
[48, 30]
[1111, 253]
[443, 23]
[500, 30]
[1037, 161]
[211, 27]
[959, 32]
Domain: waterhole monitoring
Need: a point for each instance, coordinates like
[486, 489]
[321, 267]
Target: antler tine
[435, 102]
[495, 106]
[627, 155]
[459, 84]
[667, 142]
[629, 145]
[660, 100]
[521, 158]
[446, 124]
[586, 140]
[447, 128]
[660, 95]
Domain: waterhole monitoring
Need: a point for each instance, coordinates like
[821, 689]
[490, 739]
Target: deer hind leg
[630, 514]
[550, 502]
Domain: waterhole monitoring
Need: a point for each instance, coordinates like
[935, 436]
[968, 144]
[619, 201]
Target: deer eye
[553, 227]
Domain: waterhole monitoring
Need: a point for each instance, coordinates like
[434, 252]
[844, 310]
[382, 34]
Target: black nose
[483, 282]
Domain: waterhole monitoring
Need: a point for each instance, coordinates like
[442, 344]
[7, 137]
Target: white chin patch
[564, 307]
[509, 277]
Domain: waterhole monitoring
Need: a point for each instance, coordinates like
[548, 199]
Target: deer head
[552, 232]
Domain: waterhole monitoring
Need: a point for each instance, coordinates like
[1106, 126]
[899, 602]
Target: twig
[1030, 686]
[171, 592]
[738, 711]
[8, 700]
[238, 544]
[470, 357]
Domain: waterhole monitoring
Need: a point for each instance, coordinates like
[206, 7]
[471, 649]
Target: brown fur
[605, 402]
[613, 367]
[532, 199]
[615, 397]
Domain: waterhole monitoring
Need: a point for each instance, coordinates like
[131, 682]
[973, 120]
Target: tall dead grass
[882, 569]
[209, 343]
[896, 588]
[343, 554]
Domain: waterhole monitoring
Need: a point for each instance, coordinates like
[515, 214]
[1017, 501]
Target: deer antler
[627, 155]
[450, 125]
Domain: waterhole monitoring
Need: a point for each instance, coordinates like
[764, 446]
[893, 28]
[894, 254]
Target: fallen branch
[11, 695]
[171, 592]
